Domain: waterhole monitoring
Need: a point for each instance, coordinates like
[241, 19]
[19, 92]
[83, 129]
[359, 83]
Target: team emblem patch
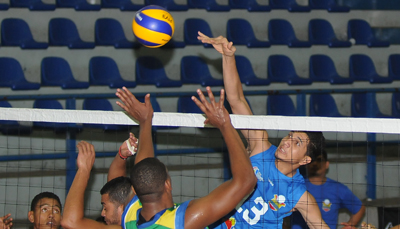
[277, 202]
[326, 205]
[230, 223]
[258, 173]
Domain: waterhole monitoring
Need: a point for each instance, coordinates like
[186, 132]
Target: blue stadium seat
[320, 32]
[16, 32]
[194, 70]
[101, 105]
[123, 5]
[246, 72]
[290, 5]
[209, 5]
[281, 105]
[4, 6]
[360, 4]
[186, 105]
[394, 66]
[32, 4]
[365, 105]
[170, 5]
[281, 69]
[392, 35]
[77, 5]
[174, 44]
[323, 105]
[361, 32]
[281, 32]
[190, 28]
[13, 127]
[63, 32]
[329, 5]
[240, 32]
[55, 71]
[104, 71]
[322, 68]
[396, 104]
[250, 5]
[150, 70]
[57, 127]
[12, 75]
[109, 31]
[363, 69]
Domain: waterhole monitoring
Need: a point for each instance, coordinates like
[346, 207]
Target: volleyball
[153, 26]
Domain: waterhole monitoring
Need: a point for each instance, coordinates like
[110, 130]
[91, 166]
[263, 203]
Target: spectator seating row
[109, 32]
[56, 71]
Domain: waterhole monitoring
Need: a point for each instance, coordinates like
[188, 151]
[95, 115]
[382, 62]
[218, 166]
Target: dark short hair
[316, 144]
[148, 177]
[43, 195]
[316, 164]
[118, 189]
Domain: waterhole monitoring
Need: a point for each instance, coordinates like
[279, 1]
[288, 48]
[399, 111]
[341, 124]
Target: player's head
[300, 147]
[114, 196]
[319, 166]
[45, 211]
[150, 180]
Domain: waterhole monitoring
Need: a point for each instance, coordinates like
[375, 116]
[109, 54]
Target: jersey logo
[277, 202]
[230, 223]
[326, 205]
[258, 173]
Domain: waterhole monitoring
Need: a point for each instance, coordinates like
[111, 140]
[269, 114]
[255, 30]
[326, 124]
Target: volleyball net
[37, 153]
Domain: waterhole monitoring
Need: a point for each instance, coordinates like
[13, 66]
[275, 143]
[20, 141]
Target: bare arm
[355, 219]
[257, 139]
[309, 209]
[6, 222]
[73, 215]
[205, 211]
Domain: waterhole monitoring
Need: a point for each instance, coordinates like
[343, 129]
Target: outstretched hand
[139, 111]
[221, 44]
[86, 156]
[216, 113]
[6, 222]
[130, 146]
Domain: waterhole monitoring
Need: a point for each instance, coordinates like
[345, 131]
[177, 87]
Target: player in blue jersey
[280, 188]
[330, 196]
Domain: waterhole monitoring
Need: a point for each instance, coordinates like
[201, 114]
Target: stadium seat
[281, 69]
[194, 70]
[77, 5]
[170, 5]
[323, 105]
[396, 104]
[109, 31]
[329, 5]
[123, 5]
[186, 105]
[320, 32]
[363, 69]
[57, 127]
[101, 105]
[13, 127]
[246, 72]
[281, 105]
[365, 105]
[32, 4]
[322, 69]
[174, 44]
[63, 32]
[280, 32]
[250, 5]
[209, 5]
[16, 32]
[4, 6]
[12, 75]
[290, 5]
[55, 71]
[361, 32]
[240, 32]
[104, 71]
[190, 28]
[394, 66]
[360, 4]
[150, 70]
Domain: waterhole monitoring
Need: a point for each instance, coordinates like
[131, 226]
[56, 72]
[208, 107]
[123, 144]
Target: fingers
[210, 96]
[222, 98]
[127, 98]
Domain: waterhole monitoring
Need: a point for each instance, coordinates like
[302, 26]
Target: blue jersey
[273, 198]
[330, 196]
[170, 218]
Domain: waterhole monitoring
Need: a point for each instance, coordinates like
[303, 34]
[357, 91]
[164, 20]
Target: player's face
[47, 214]
[293, 147]
[111, 213]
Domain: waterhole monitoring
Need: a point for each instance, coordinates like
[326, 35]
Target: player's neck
[318, 180]
[151, 209]
[288, 169]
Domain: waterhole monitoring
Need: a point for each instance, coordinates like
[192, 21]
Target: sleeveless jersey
[275, 195]
[171, 218]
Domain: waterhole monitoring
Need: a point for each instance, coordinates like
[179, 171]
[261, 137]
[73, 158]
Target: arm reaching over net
[6, 222]
[204, 211]
[257, 139]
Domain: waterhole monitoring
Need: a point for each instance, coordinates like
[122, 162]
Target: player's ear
[327, 165]
[31, 217]
[168, 184]
[306, 160]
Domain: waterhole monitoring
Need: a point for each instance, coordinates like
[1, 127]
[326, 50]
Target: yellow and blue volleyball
[153, 26]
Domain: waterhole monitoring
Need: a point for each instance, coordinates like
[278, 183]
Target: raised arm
[6, 222]
[73, 215]
[205, 211]
[309, 209]
[257, 139]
